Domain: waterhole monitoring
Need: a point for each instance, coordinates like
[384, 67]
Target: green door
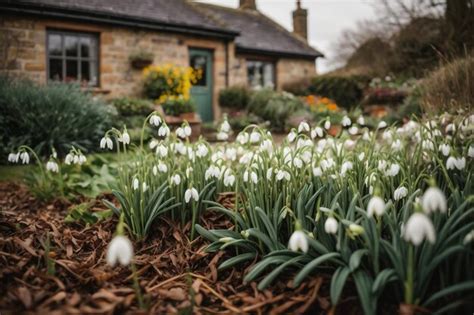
[201, 92]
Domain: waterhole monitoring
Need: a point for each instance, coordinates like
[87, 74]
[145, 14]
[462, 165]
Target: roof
[259, 33]
[253, 31]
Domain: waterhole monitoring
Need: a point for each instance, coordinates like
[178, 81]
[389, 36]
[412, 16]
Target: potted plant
[180, 107]
[141, 59]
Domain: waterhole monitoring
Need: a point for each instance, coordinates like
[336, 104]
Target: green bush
[275, 107]
[132, 106]
[175, 107]
[56, 115]
[236, 97]
[345, 91]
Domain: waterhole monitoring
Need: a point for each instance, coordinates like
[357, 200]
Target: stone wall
[294, 70]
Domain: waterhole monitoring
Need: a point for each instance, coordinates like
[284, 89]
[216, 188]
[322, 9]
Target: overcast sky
[327, 19]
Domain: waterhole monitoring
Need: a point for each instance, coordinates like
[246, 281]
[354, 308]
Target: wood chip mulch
[176, 275]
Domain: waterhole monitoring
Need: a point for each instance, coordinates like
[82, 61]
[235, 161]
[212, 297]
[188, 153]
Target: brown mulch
[176, 275]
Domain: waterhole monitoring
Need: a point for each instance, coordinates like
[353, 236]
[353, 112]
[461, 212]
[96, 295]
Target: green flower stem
[136, 286]
[410, 275]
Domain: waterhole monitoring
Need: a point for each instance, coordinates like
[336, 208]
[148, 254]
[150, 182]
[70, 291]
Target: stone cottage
[90, 41]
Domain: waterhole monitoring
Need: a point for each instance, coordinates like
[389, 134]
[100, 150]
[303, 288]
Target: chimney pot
[300, 21]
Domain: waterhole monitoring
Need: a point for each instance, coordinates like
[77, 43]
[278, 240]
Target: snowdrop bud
[52, 166]
[331, 225]
[346, 121]
[382, 124]
[155, 120]
[468, 238]
[376, 206]
[356, 229]
[400, 193]
[155, 170]
[361, 120]
[327, 125]
[254, 137]
[445, 149]
[69, 159]
[270, 173]
[419, 227]
[291, 136]
[317, 171]
[303, 127]
[121, 250]
[176, 179]
[433, 199]
[25, 157]
[144, 187]
[135, 184]
[225, 126]
[353, 130]
[125, 137]
[361, 156]
[298, 241]
[366, 136]
[317, 132]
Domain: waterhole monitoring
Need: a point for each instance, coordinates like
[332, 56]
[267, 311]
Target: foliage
[127, 106]
[345, 91]
[168, 82]
[240, 120]
[141, 56]
[235, 97]
[298, 88]
[450, 88]
[275, 107]
[175, 107]
[82, 213]
[55, 116]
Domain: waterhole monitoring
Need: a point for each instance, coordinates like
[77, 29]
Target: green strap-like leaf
[313, 265]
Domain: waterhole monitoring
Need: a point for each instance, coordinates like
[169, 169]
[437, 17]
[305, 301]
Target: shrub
[450, 87]
[345, 91]
[299, 88]
[236, 97]
[175, 107]
[57, 115]
[276, 107]
[132, 106]
[168, 81]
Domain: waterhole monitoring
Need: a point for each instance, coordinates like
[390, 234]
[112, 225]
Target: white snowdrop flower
[187, 131]
[346, 121]
[468, 238]
[400, 193]
[331, 225]
[155, 120]
[376, 206]
[366, 136]
[120, 250]
[470, 152]
[361, 120]
[25, 157]
[298, 241]
[382, 165]
[181, 133]
[231, 154]
[451, 163]
[393, 170]
[361, 156]
[297, 162]
[460, 163]
[327, 125]
[212, 171]
[396, 145]
[144, 187]
[254, 177]
[254, 137]
[81, 159]
[270, 173]
[163, 131]
[180, 148]
[69, 159]
[433, 199]
[125, 137]
[445, 149]
[246, 176]
[317, 171]
[346, 166]
[245, 159]
[267, 145]
[382, 124]
[225, 126]
[202, 150]
[191, 193]
[303, 127]
[52, 166]
[135, 184]
[162, 150]
[103, 143]
[349, 144]
[306, 156]
[427, 145]
[243, 138]
[317, 132]
[176, 179]
[222, 136]
[387, 136]
[291, 136]
[353, 130]
[188, 172]
[282, 174]
[14, 157]
[229, 180]
[153, 144]
[304, 143]
[450, 128]
[154, 170]
[419, 227]
[162, 167]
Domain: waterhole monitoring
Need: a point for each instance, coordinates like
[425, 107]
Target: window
[73, 57]
[260, 74]
[199, 64]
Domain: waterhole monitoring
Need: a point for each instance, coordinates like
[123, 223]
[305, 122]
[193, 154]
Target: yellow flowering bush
[165, 82]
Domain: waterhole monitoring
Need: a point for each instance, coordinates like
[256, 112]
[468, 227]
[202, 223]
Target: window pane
[89, 47]
[199, 63]
[88, 73]
[56, 69]
[268, 75]
[71, 71]
[71, 45]
[54, 45]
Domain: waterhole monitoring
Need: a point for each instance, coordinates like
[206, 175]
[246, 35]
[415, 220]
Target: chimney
[300, 21]
[248, 4]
